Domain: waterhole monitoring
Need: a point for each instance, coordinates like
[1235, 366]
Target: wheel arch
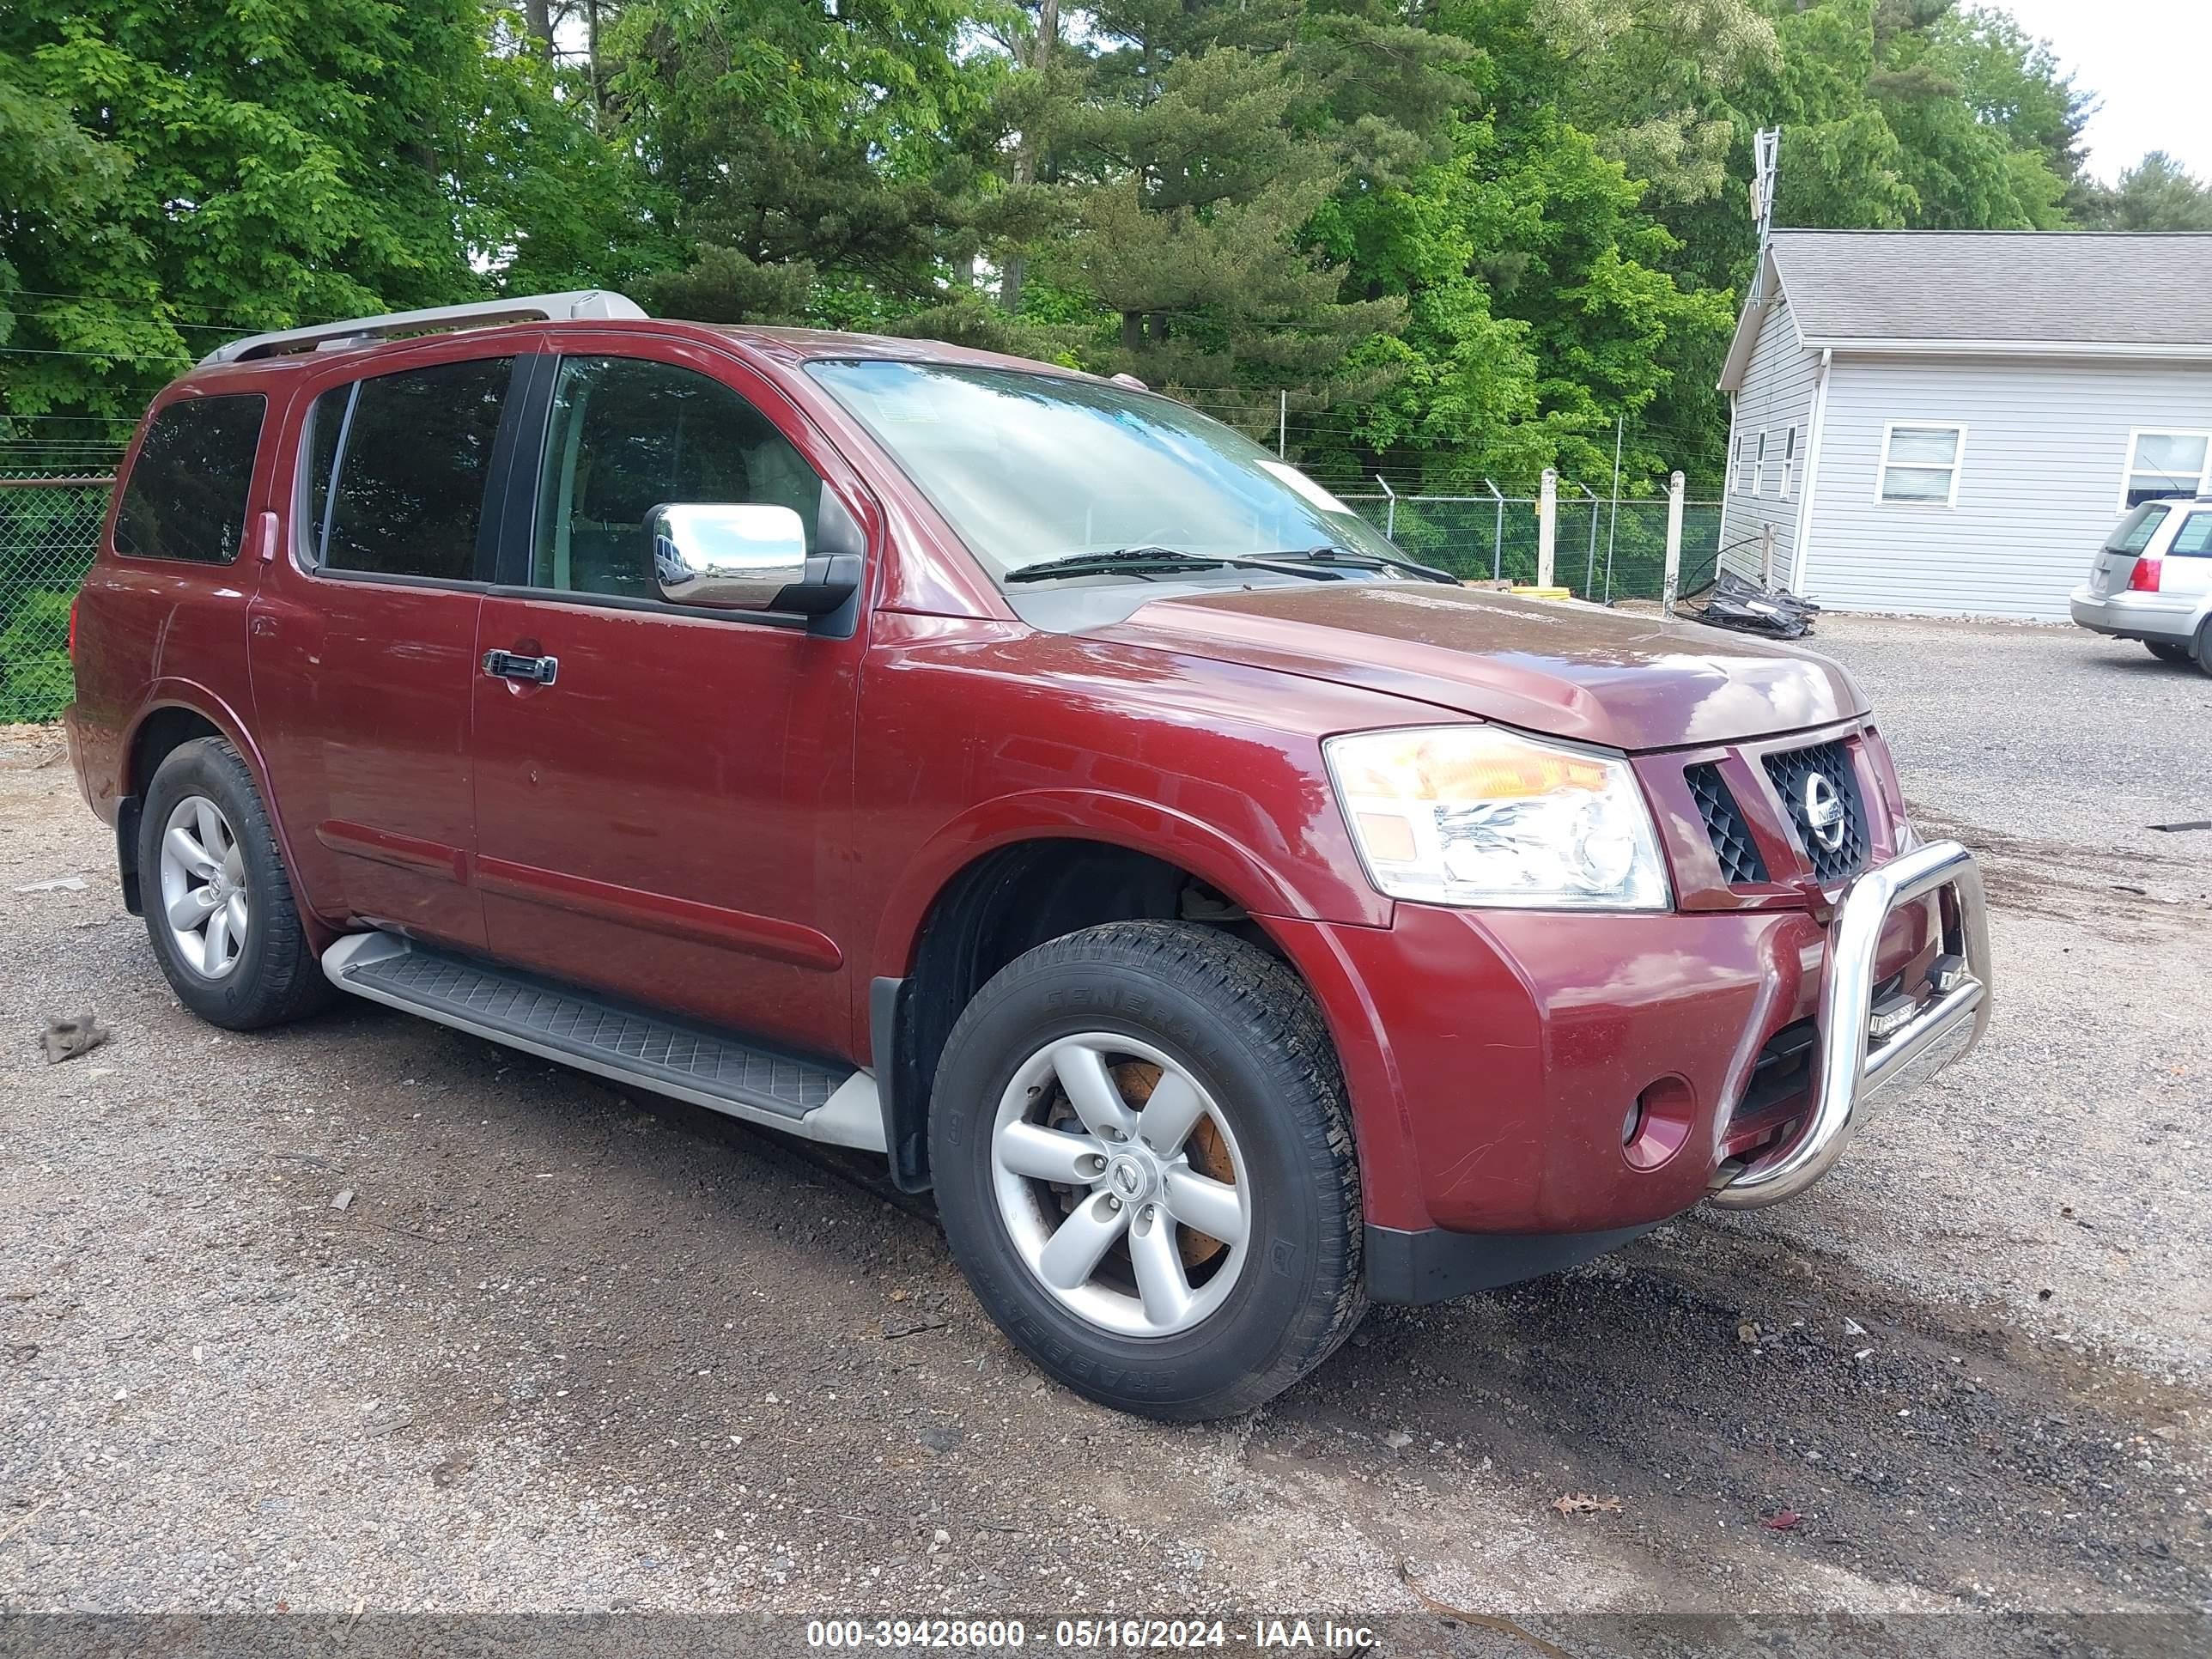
[1014, 880]
[175, 713]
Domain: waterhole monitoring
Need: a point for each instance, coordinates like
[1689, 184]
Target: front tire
[218, 902]
[1144, 1163]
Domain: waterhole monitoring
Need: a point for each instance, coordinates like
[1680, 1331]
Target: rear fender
[174, 692]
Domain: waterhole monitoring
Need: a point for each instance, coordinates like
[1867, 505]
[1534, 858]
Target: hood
[1564, 669]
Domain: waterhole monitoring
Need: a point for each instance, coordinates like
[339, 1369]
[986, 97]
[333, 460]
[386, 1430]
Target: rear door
[363, 644]
[664, 815]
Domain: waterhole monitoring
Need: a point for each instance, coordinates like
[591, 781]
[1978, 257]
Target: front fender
[1230, 868]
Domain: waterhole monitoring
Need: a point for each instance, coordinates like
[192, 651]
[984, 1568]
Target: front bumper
[1499, 1063]
[2128, 615]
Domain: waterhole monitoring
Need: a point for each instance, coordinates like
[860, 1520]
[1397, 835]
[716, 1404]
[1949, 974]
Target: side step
[711, 1068]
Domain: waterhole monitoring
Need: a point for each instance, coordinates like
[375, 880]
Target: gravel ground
[566, 1349]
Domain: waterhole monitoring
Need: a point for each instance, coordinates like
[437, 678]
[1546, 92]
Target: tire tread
[1260, 994]
[289, 982]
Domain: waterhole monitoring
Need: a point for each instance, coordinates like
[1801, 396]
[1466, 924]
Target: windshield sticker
[1305, 487]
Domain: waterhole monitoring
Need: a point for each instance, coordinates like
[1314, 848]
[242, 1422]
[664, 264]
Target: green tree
[2157, 193]
[1540, 305]
[261, 164]
[812, 162]
[1177, 162]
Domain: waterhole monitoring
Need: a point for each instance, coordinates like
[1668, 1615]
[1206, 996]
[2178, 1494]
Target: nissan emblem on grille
[1819, 792]
[1824, 811]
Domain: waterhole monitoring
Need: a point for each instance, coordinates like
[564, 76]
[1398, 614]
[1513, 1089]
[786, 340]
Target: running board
[715, 1069]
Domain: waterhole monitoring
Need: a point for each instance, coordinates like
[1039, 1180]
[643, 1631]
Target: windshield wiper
[1134, 561]
[1330, 553]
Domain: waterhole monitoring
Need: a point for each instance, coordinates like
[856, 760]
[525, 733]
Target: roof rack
[577, 305]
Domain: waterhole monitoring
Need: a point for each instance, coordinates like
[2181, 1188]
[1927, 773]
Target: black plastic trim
[1432, 1265]
[501, 480]
[898, 1082]
[653, 607]
[512, 503]
[127, 811]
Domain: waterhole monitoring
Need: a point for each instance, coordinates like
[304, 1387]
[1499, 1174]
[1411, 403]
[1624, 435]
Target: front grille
[1724, 826]
[1793, 774]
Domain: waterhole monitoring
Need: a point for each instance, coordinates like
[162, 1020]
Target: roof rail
[577, 305]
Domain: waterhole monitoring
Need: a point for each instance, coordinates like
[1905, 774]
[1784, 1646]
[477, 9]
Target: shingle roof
[2032, 288]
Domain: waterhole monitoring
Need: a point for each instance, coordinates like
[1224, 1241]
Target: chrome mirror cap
[726, 555]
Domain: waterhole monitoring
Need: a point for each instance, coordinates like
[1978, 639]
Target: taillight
[2143, 578]
[74, 599]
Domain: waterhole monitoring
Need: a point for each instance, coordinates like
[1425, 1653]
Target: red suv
[1013, 772]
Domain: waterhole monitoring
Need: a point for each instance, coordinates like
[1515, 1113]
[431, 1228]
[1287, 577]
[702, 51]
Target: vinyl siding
[1776, 397]
[2046, 443]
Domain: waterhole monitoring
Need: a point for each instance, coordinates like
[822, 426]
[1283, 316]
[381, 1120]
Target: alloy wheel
[1121, 1185]
[204, 892]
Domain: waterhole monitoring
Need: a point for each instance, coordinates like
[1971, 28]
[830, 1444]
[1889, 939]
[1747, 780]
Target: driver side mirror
[746, 556]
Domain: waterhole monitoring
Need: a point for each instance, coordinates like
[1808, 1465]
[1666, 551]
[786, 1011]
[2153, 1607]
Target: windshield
[1031, 467]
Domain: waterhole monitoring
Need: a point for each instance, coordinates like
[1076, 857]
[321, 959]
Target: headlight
[1473, 814]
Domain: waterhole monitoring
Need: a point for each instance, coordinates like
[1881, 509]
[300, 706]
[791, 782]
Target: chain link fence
[1604, 550]
[49, 526]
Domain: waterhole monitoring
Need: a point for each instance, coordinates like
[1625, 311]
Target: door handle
[531, 671]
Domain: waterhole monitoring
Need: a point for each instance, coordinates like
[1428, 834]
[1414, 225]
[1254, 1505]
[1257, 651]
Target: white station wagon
[2152, 582]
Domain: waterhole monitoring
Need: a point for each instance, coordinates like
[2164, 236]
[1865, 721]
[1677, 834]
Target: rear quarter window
[185, 497]
[2194, 539]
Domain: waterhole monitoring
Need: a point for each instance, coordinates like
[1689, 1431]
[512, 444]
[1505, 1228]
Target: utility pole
[1283, 425]
[1766, 169]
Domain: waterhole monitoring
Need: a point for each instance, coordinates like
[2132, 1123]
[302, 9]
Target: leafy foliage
[1444, 239]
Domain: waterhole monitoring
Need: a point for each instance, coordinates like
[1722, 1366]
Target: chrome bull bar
[1856, 1075]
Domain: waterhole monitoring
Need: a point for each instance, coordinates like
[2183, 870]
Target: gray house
[1949, 423]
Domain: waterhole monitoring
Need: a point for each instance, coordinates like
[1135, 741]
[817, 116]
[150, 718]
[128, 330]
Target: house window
[1759, 468]
[1742, 481]
[2162, 463]
[1920, 463]
[1788, 462]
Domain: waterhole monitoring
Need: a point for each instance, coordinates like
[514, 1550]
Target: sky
[2149, 61]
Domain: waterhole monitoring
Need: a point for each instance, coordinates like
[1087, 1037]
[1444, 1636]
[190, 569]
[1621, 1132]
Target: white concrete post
[1547, 525]
[1673, 582]
[1766, 555]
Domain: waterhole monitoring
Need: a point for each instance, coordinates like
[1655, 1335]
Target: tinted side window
[628, 435]
[186, 496]
[411, 453]
[2194, 539]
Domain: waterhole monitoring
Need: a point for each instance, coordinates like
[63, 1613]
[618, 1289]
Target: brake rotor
[1137, 1079]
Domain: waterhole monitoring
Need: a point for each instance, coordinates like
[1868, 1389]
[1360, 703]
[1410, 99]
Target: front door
[363, 644]
[659, 788]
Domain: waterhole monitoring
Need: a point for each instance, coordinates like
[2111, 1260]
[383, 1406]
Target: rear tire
[218, 902]
[2203, 652]
[2170, 651]
[1248, 1133]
